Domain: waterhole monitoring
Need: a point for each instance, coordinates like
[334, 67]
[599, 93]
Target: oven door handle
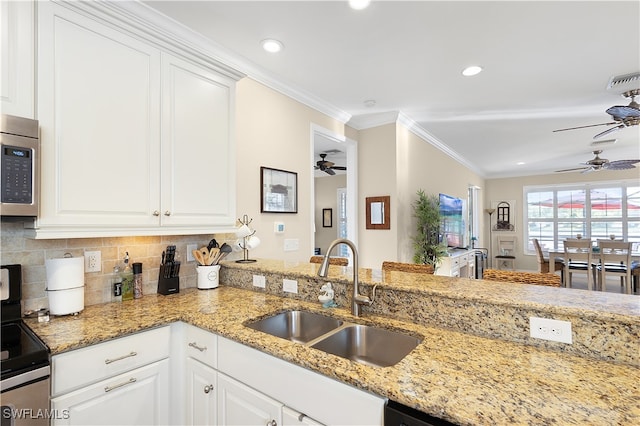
[120, 358]
[21, 379]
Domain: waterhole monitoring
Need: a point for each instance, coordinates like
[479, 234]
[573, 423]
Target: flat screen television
[452, 220]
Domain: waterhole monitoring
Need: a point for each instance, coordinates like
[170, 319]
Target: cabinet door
[198, 159]
[17, 79]
[239, 404]
[139, 397]
[99, 112]
[201, 393]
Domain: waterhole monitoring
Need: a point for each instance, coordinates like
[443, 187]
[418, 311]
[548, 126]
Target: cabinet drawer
[201, 345]
[78, 368]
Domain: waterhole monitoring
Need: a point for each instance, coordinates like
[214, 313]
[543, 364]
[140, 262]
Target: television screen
[452, 220]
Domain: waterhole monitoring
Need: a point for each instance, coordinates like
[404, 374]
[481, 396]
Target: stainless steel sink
[368, 345]
[298, 326]
[361, 343]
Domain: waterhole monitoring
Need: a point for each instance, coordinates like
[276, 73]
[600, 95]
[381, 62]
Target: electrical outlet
[92, 261]
[550, 329]
[190, 249]
[290, 286]
[259, 281]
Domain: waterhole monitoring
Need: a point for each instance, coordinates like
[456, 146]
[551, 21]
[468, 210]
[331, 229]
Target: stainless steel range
[24, 384]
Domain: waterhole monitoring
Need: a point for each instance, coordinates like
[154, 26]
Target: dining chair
[407, 267]
[544, 264]
[578, 258]
[340, 261]
[615, 260]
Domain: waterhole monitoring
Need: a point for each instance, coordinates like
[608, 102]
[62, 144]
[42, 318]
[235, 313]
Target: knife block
[168, 286]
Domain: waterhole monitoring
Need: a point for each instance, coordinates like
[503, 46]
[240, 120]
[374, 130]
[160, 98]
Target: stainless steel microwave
[20, 165]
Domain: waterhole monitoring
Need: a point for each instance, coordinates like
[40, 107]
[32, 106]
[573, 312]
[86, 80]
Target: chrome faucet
[358, 299]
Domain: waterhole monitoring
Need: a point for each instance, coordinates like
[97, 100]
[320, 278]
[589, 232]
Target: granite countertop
[465, 379]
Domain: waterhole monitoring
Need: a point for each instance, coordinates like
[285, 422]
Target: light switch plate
[291, 244]
[190, 249]
[290, 286]
[550, 329]
[259, 281]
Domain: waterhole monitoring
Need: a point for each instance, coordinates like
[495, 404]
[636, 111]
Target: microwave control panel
[17, 175]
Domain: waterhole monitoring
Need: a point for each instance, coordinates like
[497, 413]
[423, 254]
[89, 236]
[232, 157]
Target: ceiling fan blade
[339, 168]
[620, 112]
[584, 127]
[329, 171]
[611, 130]
[621, 164]
[573, 170]
[590, 169]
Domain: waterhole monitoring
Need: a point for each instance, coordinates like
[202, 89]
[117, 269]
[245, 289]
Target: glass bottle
[127, 279]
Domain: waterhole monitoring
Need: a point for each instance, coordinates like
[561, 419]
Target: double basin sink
[361, 343]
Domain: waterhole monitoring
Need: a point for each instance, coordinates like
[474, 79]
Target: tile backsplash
[31, 254]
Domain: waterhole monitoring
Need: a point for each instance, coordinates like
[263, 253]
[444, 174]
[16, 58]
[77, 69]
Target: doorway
[342, 152]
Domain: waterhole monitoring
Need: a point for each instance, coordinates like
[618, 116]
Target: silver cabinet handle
[129, 355]
[272, 423]
[195, 346]
[156, 213]
[167, 213]
[208, 388]
[119, 385]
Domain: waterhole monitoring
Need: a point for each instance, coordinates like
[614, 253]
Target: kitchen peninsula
[462, 371]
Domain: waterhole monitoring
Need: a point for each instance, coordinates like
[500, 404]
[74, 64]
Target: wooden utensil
[213, 255]
[197, 255]
[204, 252]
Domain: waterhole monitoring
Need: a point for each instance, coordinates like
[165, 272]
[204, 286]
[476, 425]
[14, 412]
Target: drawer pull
[129, 355]
[119, 385]
[272, 423]
[208, 388]
[200, 348]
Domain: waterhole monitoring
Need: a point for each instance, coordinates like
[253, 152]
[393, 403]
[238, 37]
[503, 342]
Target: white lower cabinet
[238, 404]
[123, 381]
[139, 397]
[292, 417]
[201, 393]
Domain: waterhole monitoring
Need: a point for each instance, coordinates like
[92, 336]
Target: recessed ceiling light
[272, 45]
[521, 163]
[370, 103]
[472, 70]
[359, 4]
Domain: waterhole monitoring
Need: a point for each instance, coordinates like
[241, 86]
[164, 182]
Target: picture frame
[378, 212]
[278, 191]
[327, 218]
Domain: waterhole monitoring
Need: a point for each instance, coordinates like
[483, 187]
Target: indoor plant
[426, 243]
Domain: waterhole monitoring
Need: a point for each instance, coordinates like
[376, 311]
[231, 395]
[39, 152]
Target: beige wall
[327, 198]
[512, 189]
[274, 130]
[377, 177]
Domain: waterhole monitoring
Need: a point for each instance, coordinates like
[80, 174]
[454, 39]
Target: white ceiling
[546, 66]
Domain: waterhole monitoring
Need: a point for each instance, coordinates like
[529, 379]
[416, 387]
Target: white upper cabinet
[198, 172]
[135, 141]
[17, 54]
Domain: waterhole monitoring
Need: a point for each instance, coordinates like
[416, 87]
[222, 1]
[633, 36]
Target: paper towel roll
[67, 272]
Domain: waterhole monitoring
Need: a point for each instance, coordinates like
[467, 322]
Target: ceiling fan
[598, 163]
[623, 115]
[327, 166]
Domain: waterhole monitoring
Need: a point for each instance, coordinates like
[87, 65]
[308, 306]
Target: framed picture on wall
[278, 191]
[327, 218]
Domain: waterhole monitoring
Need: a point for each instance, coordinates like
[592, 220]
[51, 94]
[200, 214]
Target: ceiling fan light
[272, 45]
[359, 4]
[472, 70]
